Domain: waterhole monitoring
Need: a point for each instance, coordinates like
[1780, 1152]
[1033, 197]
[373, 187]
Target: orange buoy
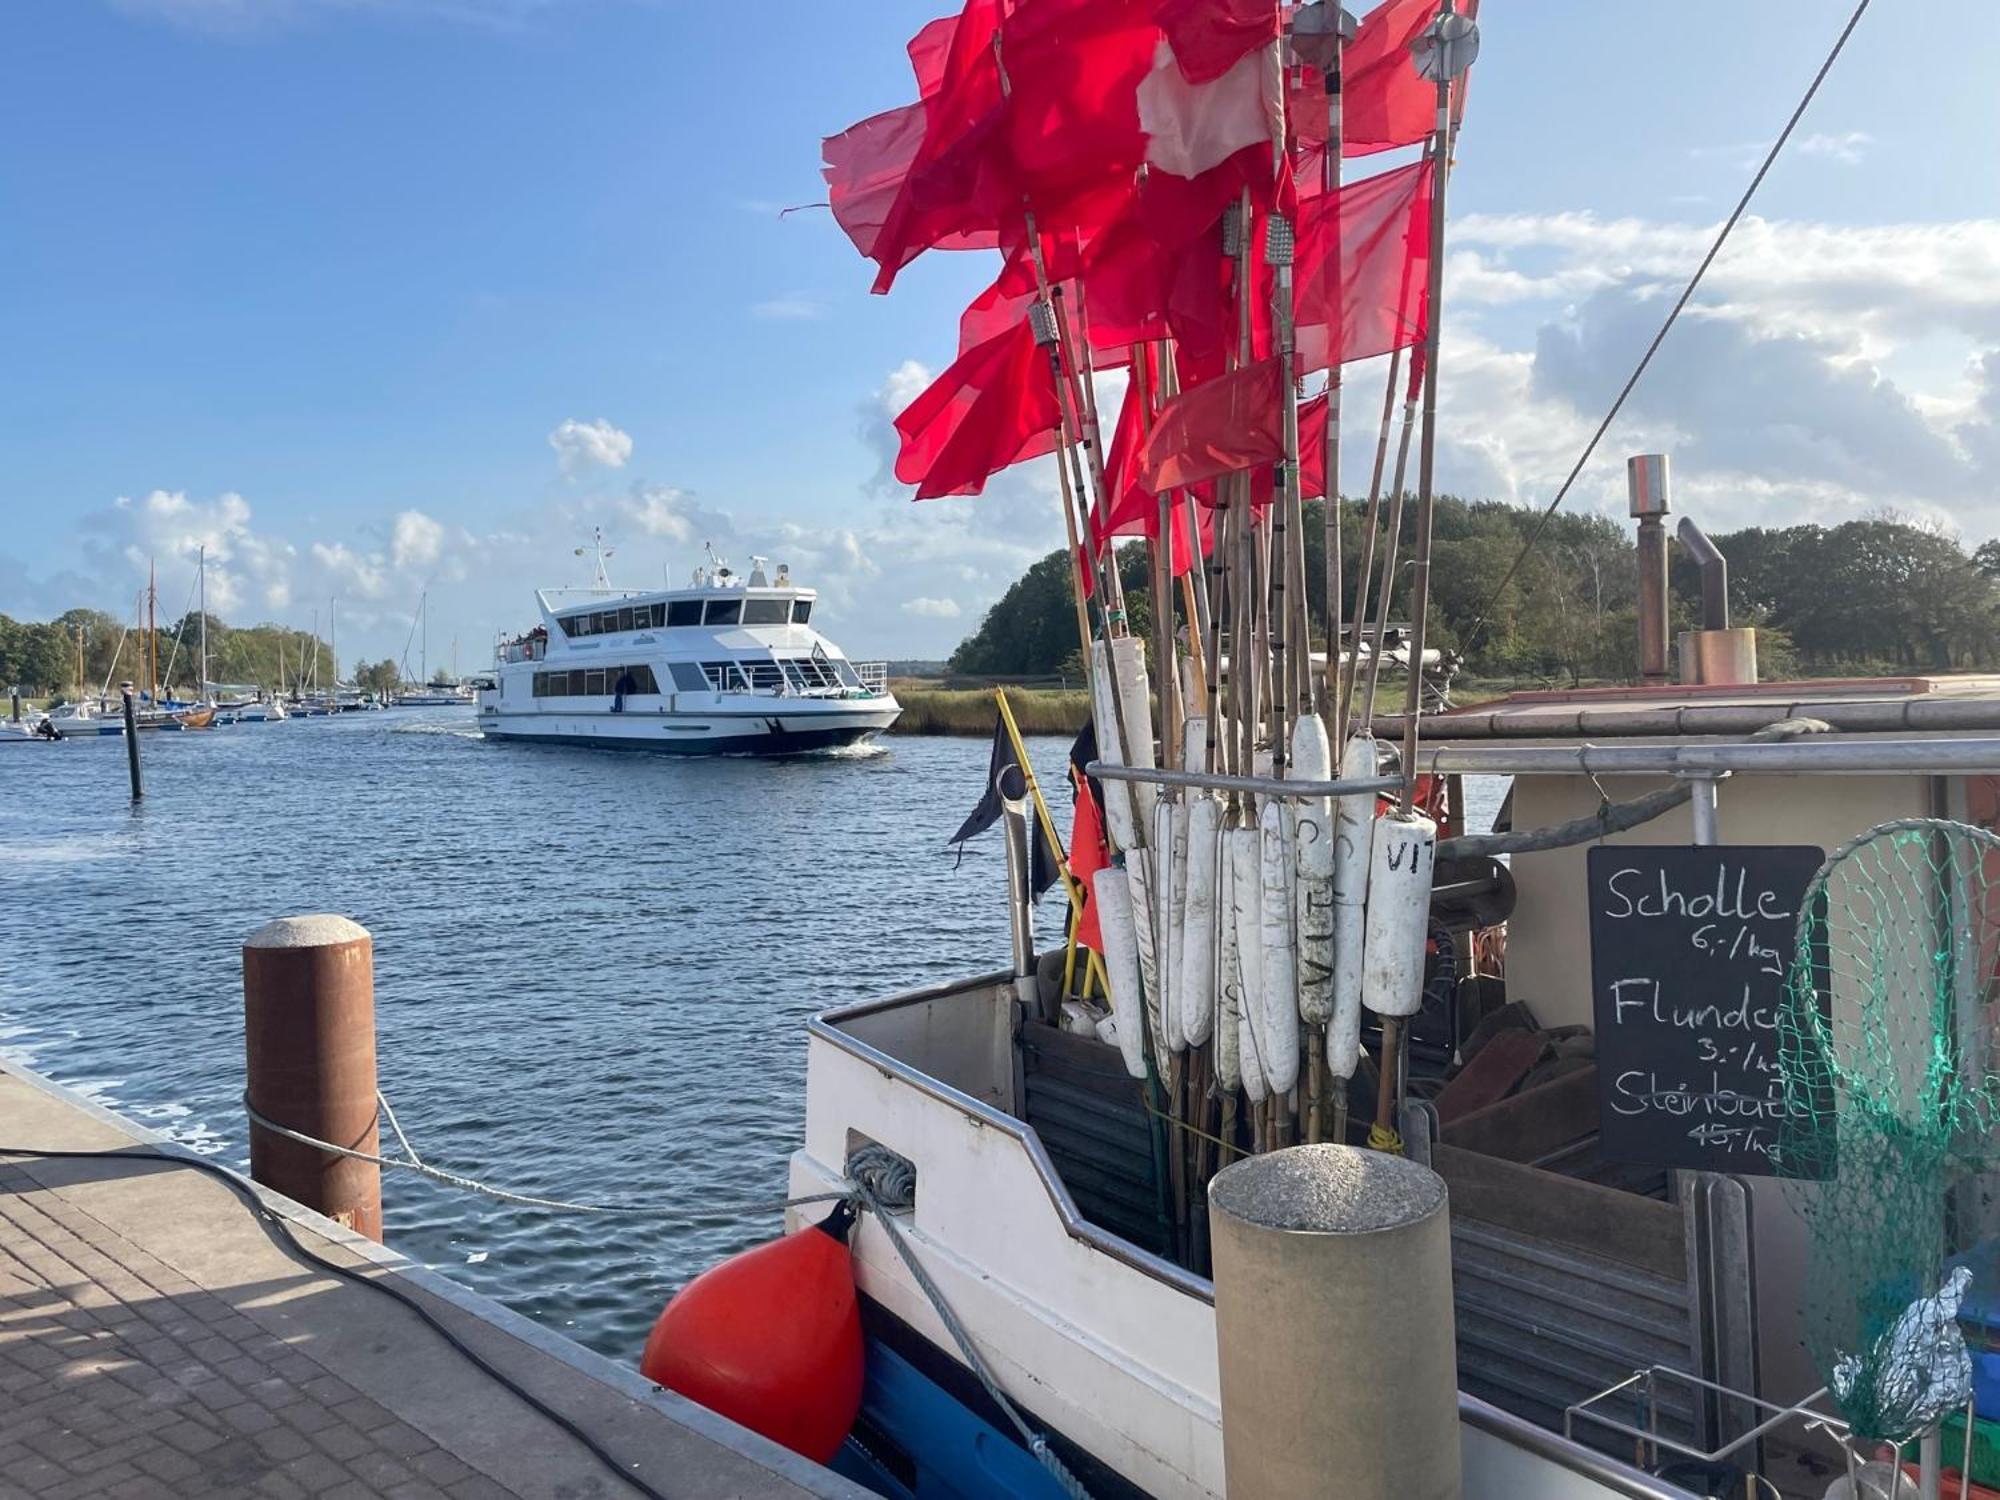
[770, 1338]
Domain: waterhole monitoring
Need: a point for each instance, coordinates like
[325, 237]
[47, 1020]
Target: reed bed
[928, 710]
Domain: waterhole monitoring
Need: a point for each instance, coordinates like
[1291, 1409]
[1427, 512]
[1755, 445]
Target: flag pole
[1453, 42]
[1392, 536]
[1330, 172]
[1370, 525]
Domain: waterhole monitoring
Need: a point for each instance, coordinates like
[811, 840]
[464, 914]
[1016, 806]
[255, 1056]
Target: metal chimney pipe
[1646, 487]
[1714, 574]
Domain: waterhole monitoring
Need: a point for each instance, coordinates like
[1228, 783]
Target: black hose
[296, 1249]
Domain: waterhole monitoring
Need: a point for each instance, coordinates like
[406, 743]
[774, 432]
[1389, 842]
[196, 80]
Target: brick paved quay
[154, 1342]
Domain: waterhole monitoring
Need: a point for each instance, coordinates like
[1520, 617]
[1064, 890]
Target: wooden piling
[309, 1037]
[132, 742]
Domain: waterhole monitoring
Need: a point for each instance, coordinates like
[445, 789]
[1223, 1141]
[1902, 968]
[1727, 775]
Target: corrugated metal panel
[1091, 1122]
[1541, 1327]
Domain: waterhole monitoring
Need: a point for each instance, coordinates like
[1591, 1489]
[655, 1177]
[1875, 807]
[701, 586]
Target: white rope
[411, 1163]
[870, 1165]
[883, 1182]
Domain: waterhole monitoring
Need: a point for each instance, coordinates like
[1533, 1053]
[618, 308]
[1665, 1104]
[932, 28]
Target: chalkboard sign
[1689, 948]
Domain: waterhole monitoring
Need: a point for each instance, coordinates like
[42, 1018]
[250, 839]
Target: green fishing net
[1887, 1058]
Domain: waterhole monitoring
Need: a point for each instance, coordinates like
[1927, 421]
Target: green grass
[928, 710]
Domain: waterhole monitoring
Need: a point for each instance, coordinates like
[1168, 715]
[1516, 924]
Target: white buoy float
[1170, 860]
[1312, 760]
[1399, 907]
[1281, 986]
[1120, 667]
[1229, 974]
[1246, 899]
[1142, 876]
[1353, 840]
[1197, 968]
[1121, 965]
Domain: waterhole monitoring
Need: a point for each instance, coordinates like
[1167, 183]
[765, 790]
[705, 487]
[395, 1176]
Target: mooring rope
[412, 1163]
[882, 1182]
[885, 1183]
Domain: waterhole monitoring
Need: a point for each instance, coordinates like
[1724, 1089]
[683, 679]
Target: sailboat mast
[424, 651]
[152, 634]
[201, 576]
[333, 638]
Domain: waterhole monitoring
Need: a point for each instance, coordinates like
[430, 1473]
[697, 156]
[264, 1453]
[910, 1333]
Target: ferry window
[657, 615]
[848, 676]
[766, 611]
[607, 622]
[725, 677]
[593, 683]
[574, 625]
[684, 612]
[625, 618]
[724, 611]
[802, 610]
[643, 680]
[688, 678]
[765, 677]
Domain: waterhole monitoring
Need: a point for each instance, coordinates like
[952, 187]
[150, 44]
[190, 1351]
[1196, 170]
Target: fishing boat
[1303, 1016]
[729, 665]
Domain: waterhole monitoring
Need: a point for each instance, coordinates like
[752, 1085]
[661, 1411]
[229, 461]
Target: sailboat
[428, 694]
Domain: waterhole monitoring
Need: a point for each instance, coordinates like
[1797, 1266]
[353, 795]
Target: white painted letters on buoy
[1352, 841]
[1313, 842]
[1399, 907]
[1281, 988]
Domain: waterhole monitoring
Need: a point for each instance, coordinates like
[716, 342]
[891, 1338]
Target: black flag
[1004, 774]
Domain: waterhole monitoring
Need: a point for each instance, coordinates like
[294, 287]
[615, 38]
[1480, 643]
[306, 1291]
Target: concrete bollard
[309, 1036]
[1334, 1328]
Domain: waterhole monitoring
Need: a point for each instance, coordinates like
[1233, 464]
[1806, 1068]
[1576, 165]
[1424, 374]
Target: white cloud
[932, 609]
[903, 385]
[659, 510]
[793, 307]
[1847, 147]
[1822, 371]
[416, 540]
[583, 445]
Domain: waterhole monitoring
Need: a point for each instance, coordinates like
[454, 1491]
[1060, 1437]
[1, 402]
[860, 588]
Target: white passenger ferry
[726, 666]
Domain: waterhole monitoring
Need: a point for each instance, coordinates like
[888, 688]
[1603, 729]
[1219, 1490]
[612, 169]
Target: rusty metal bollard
[309, 1037]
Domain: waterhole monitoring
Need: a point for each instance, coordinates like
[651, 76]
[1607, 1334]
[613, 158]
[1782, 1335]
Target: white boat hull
[785, 728]
[1096, 1339]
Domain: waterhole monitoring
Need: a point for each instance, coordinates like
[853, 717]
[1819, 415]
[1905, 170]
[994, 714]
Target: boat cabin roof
[1856, 705]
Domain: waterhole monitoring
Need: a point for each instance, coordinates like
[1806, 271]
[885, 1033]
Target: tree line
[82, 651]
[1885, 593]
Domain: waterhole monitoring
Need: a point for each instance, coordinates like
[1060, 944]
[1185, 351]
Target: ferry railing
[874, 675]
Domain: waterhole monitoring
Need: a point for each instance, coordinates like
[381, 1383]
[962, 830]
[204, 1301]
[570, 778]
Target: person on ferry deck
[626, 684]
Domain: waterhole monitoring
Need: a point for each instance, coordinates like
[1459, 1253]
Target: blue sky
[316, 281]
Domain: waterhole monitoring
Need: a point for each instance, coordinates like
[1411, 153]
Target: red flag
[1384, 103]
[994, 407]
[1312, 448]
[1209, 36]
[1230, 423]
[1087, 855]
[1132, 509]
[1384, 233]
[1064, 124]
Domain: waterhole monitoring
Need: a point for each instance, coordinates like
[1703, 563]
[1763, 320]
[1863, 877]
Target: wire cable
[1687, 292]
[280, 1234]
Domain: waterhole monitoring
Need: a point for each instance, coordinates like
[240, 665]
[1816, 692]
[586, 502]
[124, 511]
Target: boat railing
[874, 675]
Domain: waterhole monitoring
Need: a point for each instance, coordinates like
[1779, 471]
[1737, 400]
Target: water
[592, 970]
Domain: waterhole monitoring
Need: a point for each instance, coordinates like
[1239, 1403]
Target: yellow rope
[1382, 1138]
